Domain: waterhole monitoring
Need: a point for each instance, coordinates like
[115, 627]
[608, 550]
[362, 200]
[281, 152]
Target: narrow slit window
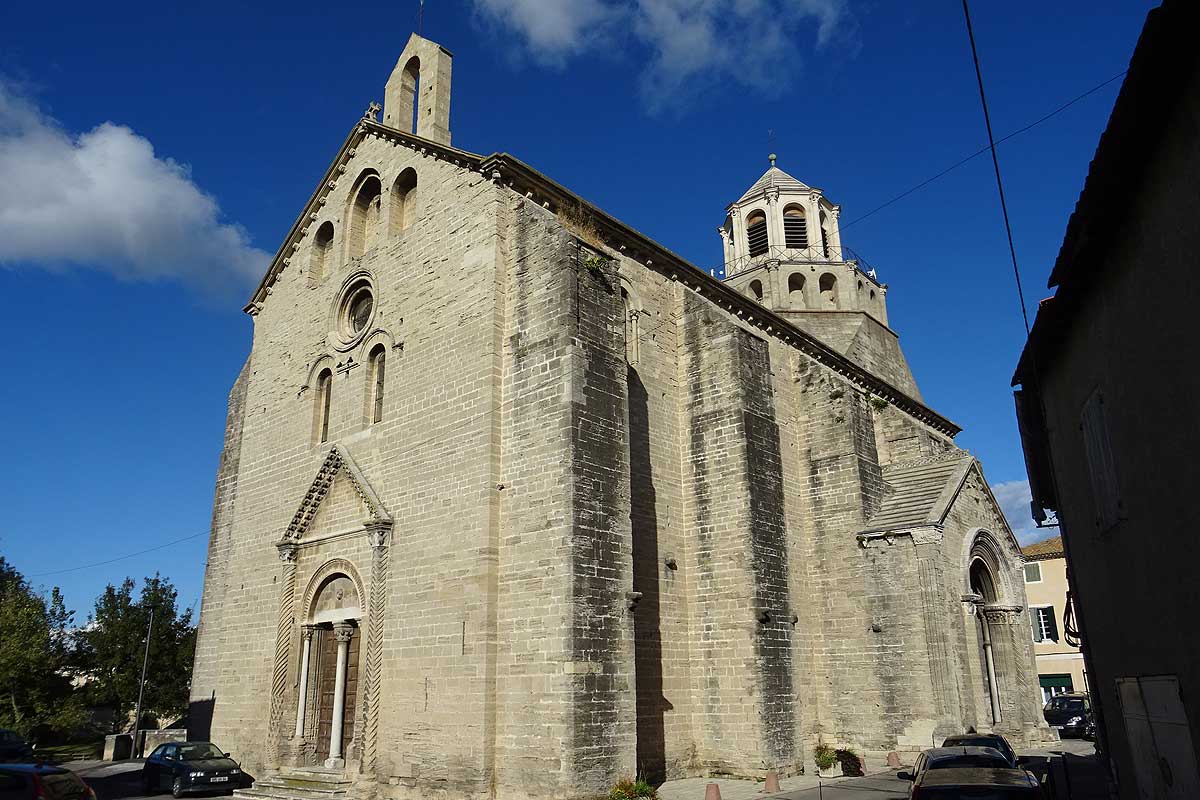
[324, 401]
[378, 361]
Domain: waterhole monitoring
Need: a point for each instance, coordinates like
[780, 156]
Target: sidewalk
[741, 789]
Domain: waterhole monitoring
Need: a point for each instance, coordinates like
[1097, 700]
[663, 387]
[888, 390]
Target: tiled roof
[1042, 551]
[777, 178]
[919, 492]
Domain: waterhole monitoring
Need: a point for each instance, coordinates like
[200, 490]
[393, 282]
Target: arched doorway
[329, 661]
[983, 586]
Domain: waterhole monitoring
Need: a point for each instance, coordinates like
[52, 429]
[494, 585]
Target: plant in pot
[827, 761]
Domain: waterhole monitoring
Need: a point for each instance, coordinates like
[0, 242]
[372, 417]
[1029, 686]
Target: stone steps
[299, 783]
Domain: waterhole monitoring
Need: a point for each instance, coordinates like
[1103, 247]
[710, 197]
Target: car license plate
[1058, 727]
[220, 779]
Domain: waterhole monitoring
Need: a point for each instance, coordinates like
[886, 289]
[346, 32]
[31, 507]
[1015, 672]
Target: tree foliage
[114, 641]
[36, 697]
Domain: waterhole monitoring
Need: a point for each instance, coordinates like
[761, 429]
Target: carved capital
[1000, 615]
[287, 552]
[343, 631]
[379, 534]
[307, 631]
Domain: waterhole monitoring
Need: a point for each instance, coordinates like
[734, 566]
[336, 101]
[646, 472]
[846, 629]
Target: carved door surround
[336, 611]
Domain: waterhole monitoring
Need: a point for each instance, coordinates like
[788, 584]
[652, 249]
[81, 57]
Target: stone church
[514, 502]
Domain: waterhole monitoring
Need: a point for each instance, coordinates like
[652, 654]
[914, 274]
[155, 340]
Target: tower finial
[772, 158]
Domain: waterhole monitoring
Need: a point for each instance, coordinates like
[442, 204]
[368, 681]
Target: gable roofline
[945, 501]
[773, 178]
[336, 462]
[521, 178]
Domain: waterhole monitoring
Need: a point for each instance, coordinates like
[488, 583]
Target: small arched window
[403, 203]
[756, 290]
[756, 233]
[324, 401]
[410, 87]
[828, 287]
[364, 216]
[824, 235]
[796, 290]
[376, 360]
[322, 251]
[795, 228]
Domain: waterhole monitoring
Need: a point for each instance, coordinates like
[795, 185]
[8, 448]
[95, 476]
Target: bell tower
[783, 248]
[417, 96]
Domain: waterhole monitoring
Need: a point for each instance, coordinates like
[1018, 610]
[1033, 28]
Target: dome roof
[774, 178]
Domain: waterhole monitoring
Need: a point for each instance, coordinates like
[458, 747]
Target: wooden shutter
[1051, 624]
[1102, 470]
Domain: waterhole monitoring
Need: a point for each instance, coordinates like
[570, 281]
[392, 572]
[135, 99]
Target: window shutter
[1051, 624]
[1101, 467]
[1035, 624]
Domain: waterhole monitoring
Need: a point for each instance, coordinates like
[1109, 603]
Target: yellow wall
[1055, 657]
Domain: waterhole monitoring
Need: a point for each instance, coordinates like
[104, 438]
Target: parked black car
[13, 748]
[185, 767]
[964, 783]
[1068, 714]
[992, 740]
[41, 781]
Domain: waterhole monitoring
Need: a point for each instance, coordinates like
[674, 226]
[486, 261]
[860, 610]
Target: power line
[119, 558]
[996, 165]
[984, 149]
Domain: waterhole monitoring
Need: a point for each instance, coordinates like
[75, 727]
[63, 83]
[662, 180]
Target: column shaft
[343, 633]
[302, 689]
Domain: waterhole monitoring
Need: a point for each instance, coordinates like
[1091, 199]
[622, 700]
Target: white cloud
[1014, 498]
[692, 45]
[103, 200]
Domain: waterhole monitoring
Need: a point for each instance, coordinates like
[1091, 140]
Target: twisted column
[379, 534]
[283, 648]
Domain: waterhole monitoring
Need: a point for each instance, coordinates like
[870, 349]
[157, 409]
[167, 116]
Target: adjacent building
[1059, 663]
[1109, 382]
[514, 502]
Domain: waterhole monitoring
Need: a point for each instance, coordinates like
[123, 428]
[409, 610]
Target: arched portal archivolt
[322, 578]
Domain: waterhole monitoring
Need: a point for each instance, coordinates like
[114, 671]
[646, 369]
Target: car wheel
[177, 788]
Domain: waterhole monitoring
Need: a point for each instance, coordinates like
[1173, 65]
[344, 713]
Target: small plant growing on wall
[878, 403]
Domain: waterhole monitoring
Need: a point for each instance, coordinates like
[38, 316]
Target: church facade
[514, 502]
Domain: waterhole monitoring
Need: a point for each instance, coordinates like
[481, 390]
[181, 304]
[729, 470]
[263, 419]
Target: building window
[403, 211]
[756, 290]
[824, 235]
[1102, 471]
[1033, 572]
[364, 216]
[1045, 628]
[756, 233]
[377, 358]
[1053, 685]
[796, 290]
[324, 400]
[795, 228]
[828, 288]
[322, 251]
[355, 310]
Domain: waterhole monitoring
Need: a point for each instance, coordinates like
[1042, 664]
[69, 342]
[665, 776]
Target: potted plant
[827, 761]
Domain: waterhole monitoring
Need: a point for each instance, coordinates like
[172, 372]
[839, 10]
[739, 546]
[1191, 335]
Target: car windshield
[62, 786]
[199, 752]
[1065, 704]
[975, 793]
[994, 761]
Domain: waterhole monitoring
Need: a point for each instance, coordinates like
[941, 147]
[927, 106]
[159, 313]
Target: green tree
[36, 695]
[114, 641]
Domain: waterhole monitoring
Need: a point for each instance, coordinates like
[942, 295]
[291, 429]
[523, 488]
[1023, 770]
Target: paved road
[873, 787]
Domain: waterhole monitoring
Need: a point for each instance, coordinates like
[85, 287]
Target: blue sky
[152, 155]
